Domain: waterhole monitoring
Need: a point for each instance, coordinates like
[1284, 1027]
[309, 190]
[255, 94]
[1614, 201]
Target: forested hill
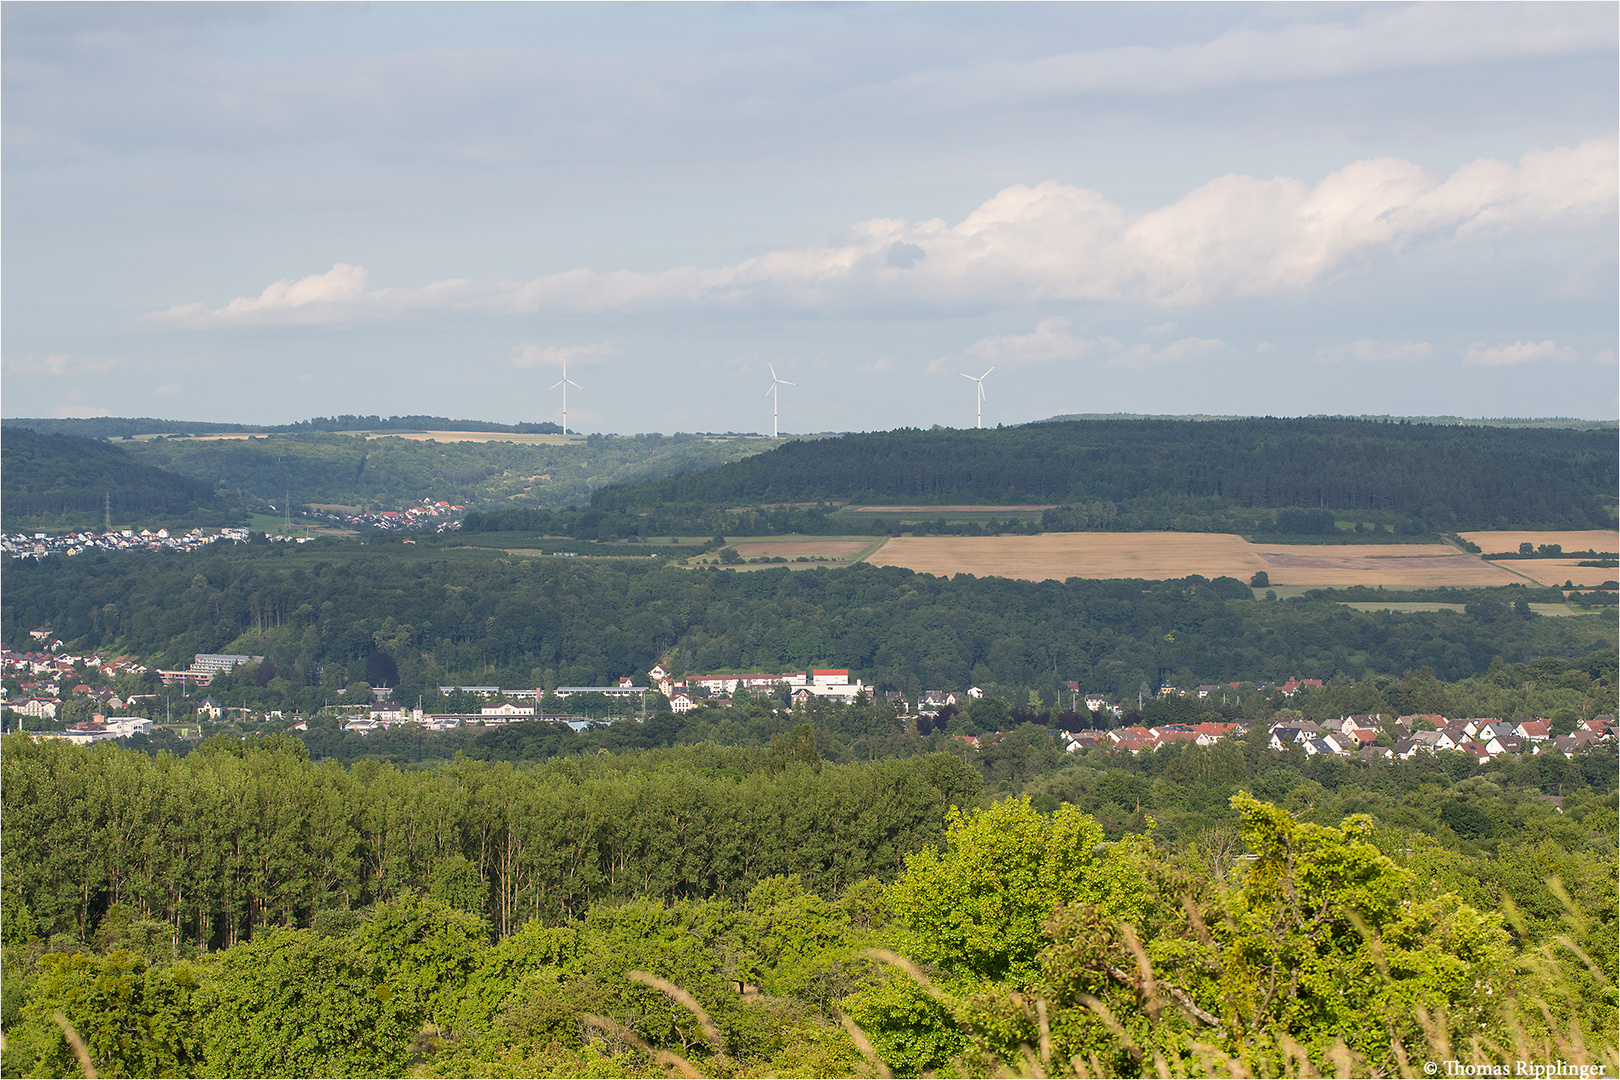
[1450, 477]
[64, 481]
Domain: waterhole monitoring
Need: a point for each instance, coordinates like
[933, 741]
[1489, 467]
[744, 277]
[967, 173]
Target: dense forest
[1445, 477]
[67, 482]
[758, 911]
[488, 618]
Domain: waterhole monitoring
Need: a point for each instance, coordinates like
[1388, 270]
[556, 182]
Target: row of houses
[48, 675]
[44, 545]
[1355, 737]
[1483, 738]
[99, 729]
[439, 513]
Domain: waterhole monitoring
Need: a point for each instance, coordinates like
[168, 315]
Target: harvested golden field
[1159, 556]
[792, 549]
[1557, 571]
[1417, 566]
[1510, 539]
[1066, 555]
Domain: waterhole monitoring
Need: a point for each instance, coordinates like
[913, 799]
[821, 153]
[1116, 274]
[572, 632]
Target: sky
[261, 214]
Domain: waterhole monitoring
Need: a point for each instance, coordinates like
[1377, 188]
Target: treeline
[679, 519]
[1442, 477]
[534, 622]
[67, 482]
[237, 837]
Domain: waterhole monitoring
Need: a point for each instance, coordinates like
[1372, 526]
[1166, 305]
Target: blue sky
[265, 213]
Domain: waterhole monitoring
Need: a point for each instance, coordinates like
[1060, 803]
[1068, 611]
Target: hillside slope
[64, 481]
[385, 472]
[1447, 477]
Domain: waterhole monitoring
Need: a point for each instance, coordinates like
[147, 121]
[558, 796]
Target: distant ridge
[1565, 422]
[118, 427]
[1430, 477]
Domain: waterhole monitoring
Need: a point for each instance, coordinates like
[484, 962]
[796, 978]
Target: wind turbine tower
[565, 382]
[980, 380]
[771, 393]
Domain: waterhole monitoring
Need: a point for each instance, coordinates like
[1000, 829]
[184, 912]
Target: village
[51, 682]
[436, 514]
[43, 545]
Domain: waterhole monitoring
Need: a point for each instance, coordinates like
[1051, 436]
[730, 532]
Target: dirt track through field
[1158, 556]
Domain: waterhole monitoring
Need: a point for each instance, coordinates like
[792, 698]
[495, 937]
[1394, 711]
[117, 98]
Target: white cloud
[1160, 330]
[1520, 352]
[1236, 237]
[74, 411]
[1366, 350]
[318, 298]
[529, 355]
[1142, 355]
[1412, 37]
[1051, 340]
[56, 364]
[881, 366]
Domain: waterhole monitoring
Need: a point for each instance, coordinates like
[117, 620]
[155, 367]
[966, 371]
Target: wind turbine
[565, 382]
[980, 380]
[771, 393]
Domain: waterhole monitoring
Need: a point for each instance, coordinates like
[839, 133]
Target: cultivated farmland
[1509, 540]
[1163, 555]
[1557, 571]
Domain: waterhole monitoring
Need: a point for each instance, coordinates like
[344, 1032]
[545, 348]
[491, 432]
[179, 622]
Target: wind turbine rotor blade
[965, 375]
[769, 390]
[784, 382]
[554, 385]
[987, 374]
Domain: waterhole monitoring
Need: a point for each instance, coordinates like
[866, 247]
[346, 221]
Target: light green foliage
[136, 1019]
[1330, 944]
[1133, 957]
[979, 907]
[293, 1004]
[426, 950]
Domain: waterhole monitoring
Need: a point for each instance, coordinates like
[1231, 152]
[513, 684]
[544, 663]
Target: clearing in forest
[1164, 555]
